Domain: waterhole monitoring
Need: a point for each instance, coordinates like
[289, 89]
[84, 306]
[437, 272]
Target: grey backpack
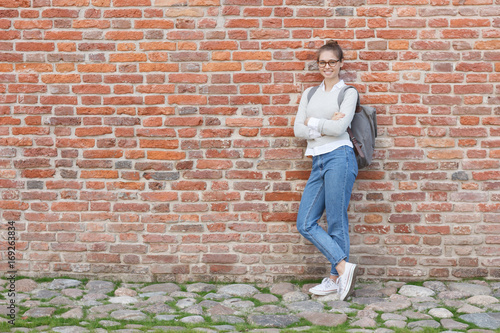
[363, 129]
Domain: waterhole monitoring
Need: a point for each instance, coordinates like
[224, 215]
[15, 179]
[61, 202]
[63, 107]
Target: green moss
[357, 306]
[416, 283]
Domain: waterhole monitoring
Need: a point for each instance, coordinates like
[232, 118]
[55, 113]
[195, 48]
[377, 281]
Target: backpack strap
[342, 94]
[357, 145]
[340, 97]
[311, 93]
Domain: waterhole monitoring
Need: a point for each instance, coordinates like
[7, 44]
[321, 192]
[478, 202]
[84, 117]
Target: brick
[404, 218]
[486, 45]
[444, 155]
[163, 196]
[279, 217]
[401, 239]
[220, 196]
[372, 229]
[402, 229]
[220, 258]
[405, 154]
[469, 272]
[488, 229]
[231, 270]
[282, 196]
[469, 197]
[443, 230]
[436, 143]
[408, 196]
[68, 247]
[276, 154]
[436, 207]
[160, 259]
[486, 175]
[405, 272]
[94, 237]
[127, 248]
[130, 207]
[438, 262]
[103, 257]
[69, 206]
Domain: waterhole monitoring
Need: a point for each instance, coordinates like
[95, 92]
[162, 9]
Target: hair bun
[333, 46]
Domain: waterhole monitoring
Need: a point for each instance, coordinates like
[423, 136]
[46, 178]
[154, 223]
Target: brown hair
[331, 45]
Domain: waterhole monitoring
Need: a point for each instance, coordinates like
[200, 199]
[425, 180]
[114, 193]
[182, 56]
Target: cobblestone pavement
[68, 305]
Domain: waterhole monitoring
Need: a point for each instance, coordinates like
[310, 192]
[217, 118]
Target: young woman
[334, 170]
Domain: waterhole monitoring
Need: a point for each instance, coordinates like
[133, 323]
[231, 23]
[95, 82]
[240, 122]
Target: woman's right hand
[338, 115]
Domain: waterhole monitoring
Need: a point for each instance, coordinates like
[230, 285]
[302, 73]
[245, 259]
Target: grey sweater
[323, 105]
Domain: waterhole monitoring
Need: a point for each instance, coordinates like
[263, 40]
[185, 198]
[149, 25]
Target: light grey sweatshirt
[323, 105]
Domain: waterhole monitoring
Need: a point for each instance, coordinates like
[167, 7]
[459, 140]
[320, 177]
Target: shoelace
[327, 283]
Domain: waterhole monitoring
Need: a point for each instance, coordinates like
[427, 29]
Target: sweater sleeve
[299, 128]
[348, 107]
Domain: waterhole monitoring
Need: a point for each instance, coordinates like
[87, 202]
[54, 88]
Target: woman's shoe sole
[322, 294]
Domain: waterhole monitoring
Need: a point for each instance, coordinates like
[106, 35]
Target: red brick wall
[153, 138]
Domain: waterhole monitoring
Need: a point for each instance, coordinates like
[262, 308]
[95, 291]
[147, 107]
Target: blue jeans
[329, 188]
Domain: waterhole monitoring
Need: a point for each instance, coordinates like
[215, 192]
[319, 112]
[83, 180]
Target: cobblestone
[380, 307]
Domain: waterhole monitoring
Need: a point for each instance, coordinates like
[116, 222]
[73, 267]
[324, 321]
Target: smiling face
[329, 72]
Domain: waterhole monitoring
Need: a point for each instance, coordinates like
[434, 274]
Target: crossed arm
[311, 128]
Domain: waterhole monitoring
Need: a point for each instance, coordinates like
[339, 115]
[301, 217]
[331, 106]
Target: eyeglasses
[331, 63]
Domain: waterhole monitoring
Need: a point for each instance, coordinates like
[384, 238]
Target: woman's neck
[330, 83]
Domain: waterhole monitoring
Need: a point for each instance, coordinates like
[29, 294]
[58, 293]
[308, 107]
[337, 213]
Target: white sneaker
[326, 287]
[347, 280]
